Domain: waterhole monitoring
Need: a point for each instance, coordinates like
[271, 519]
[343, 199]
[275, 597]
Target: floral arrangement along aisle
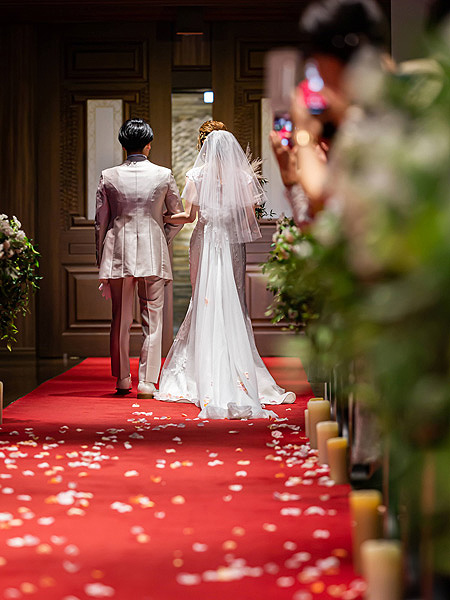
[295, 302]
[375, 267]
[18, 276]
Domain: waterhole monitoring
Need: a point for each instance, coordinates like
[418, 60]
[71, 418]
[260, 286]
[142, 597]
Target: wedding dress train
[213, 361]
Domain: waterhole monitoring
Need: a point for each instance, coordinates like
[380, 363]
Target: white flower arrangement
[18, 277]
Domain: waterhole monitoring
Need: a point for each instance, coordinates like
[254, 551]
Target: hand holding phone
[282, 76]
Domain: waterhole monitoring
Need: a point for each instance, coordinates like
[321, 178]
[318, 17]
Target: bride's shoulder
[195, 173]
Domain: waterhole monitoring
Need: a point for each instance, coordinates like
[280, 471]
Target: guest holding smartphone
[335, 32]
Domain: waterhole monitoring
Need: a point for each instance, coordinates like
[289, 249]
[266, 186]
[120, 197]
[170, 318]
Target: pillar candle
[364, 508]
[307, 417]
[318, 410]
[325, 431]
[381, 563]
[337, 454]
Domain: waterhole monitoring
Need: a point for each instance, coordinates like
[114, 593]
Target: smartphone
[310, 87]
[282, 124]
[282, 77]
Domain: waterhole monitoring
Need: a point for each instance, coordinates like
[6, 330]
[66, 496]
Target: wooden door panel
[126, 64]
[270, 338]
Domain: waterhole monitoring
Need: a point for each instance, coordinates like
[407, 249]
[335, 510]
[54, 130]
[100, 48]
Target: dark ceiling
[151, 10]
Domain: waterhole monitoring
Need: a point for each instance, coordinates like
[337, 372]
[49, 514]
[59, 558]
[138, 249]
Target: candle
[325, 430]
[307, 429]
[337, 451]
[381, 562]
[364, 507]
[318, 410]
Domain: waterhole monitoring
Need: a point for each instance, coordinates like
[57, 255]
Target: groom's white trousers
[151, 302]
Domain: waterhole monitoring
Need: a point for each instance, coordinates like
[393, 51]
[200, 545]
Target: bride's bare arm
[189, 213]
[188, 216]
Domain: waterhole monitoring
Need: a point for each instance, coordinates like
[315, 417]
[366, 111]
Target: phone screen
[311, 87]
[282, 124]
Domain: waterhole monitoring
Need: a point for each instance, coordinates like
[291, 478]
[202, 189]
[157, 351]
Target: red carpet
[109, 497]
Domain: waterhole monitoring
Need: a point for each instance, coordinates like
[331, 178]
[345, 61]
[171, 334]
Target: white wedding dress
[213, 362]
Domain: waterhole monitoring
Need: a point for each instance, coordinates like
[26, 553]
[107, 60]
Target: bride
[213, 361]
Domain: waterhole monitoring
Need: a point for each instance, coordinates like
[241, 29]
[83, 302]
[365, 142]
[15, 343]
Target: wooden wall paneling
[72, 158]
[87, 314]
[223, 72]
[270, 338]
[160, 86]
[247, 119]
[250, 53]
[106, 60]
[78, 319]
[192, 51]
[18, 45]
[144, 11]
[51, 297]
[250, 56]
[74, 144]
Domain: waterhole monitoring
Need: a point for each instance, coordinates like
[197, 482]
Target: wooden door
[129, 63]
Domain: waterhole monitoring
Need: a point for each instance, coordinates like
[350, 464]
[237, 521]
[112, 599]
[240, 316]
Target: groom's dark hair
[135, 134]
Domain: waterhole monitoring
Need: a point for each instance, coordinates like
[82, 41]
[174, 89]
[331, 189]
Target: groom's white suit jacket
[131, 238]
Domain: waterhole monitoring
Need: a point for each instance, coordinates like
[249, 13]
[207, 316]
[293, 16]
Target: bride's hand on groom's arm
[168, 217]
[187, 216]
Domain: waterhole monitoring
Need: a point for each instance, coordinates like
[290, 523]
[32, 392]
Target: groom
[132, 250]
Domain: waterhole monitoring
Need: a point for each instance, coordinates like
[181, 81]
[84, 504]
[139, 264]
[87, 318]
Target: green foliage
[18, 276]
[261, 211]
[377, 278]
[294, 300]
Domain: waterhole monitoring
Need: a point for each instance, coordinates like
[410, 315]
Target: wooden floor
[21, 373]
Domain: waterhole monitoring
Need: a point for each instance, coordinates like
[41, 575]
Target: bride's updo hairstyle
[206, 129]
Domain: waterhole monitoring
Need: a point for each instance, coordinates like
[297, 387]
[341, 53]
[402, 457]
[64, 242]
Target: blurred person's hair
[437, 12]
[341, 27]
